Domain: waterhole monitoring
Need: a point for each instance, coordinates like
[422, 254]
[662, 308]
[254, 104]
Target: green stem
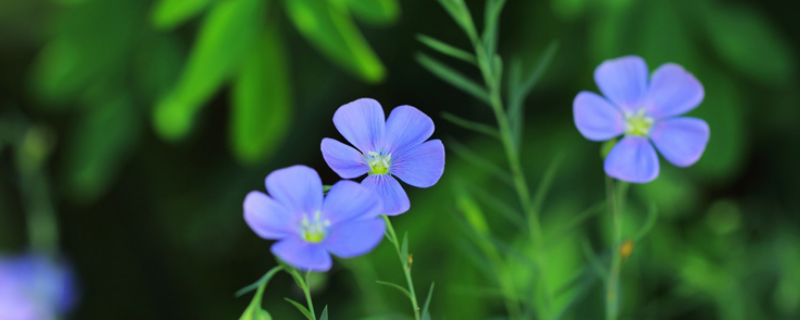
[493, 84]
[307, 293]
[406, 267]
[616, 200]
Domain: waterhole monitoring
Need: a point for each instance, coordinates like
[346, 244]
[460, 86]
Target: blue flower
[34, 288]
[346, 222]
[386, 149]
[644, 112]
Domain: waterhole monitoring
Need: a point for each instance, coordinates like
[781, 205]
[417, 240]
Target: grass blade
[447, 49]
[471, 125]
[547, 181]
[302, 309]
[478, 161]
[324, 315]
[425, 314]
[399, 288]
[453, 77]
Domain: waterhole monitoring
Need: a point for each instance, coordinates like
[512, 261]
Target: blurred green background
[144, 123]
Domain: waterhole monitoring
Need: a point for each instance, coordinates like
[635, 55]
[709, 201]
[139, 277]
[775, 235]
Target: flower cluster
[647, 113]
[346, 222]
[33, 287]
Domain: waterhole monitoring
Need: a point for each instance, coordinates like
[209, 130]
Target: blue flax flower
[346, 222]
[386, 149]
[647, 113]
[34, 288]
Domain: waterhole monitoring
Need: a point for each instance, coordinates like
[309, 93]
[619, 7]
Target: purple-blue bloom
[307, 225]
[647, 113]
[33, 287]
[385, 149]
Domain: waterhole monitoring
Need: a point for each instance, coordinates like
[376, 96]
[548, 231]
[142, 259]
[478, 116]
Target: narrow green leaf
[491, 25]
[471, 210]
[404, 250]
[453, 77]
[301, 308]
[523, 88]
[575, 222]
[261, 109]
[547, 181]
[460, 13]
[471, 125]
[98, 147]
[479, 161]
[333, 32]
[378, 12]
[399, 288]
[425, 309]
[594, 260]
[501, 207]
[225, 37]
[447, 49]
[652, 216]
[254, 311]
[261, 282]
[324, 315]
[168, 14]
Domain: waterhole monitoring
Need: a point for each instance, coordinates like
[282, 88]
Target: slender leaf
[575, 222]
[324, 315]
[652, 216]
[460, 13]
[225, 37]
[471, 125]
[547, 181]
[254, 311]
[264, 279]
[332, 31]
[168, 14]
[301, 308]
[501, 207]
[490, 28]
[399, 288]
[447, 49]
[453, 77]
[471, 210]
[523, 88]
[261, 100]
[479, 161]
[100, 144]
[379, 12]
[425, 309]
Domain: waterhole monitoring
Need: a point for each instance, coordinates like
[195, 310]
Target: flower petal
[303, 255]
[623, 81]
[394, 198]
[681, 140]
[298, 188]
[421, 166]
[673, 91]
[266, 217]
[347, 162]
[348, 200]
[362, 123]
[596, 119]
[407, 127]
[355, 238]
[633, 159]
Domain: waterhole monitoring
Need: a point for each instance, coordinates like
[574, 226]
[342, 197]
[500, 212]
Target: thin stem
[404, 262]
[493, 84]
[307, 292]
[616, 200]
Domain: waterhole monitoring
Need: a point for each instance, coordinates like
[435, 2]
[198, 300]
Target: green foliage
[261, 106]
[332, 31]
[225, 37]
[168, 14]
[379, 12]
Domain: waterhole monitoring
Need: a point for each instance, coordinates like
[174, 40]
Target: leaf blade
[453, 77]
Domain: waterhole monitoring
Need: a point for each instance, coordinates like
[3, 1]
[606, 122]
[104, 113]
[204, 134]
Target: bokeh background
[142, 124]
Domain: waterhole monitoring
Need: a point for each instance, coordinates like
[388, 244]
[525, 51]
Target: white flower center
[378, 162]
[638, 124]
[314, 231]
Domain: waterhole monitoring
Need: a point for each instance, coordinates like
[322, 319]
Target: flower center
[638, 124]
[378, 162]
[315, 230]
